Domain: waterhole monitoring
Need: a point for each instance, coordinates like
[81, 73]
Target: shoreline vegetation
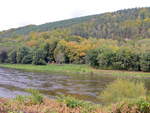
[129, 100]
[41, 104]
[72, 69]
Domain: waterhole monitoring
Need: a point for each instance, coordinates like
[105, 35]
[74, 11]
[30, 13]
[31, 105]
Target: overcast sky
[15, 13]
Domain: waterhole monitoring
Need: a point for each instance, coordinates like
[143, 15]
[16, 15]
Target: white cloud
[15, 13]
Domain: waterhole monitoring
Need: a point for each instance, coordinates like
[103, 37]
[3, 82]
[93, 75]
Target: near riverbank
[38, 104]
[72, 69]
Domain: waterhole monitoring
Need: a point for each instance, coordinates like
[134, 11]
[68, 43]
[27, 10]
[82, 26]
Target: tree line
[59, 46]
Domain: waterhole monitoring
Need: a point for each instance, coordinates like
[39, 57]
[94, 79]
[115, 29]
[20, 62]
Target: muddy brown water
[14, 82]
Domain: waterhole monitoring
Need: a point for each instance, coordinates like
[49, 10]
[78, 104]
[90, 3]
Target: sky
[16, 13]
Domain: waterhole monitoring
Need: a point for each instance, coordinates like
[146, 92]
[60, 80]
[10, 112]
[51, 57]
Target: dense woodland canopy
[123, 24]
[118, 40]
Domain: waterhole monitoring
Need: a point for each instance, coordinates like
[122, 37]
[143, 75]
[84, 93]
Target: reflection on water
[13, 82]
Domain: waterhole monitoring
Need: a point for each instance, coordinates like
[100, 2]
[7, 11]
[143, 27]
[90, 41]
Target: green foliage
[21, 99]
[122, 59]
[144, 106]
[39, 57]
[12, 57]
[27, 59]
[72, 41]
[21, 53]
[145, 61]
[139, 105]
[34, 98]
[106, 57]
[125, 59]
[122, 89]
[72, 102]
[92, 57]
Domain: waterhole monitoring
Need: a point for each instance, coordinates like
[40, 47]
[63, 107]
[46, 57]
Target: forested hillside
[124, 24]
[103, 41]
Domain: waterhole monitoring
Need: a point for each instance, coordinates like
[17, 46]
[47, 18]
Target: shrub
[27, 59]
[140, 105]
[145, 62]
[21, 99]
[39, 57]
[124, 108]
[21, 53]
[92, 57]
[144, 106]
[39, 62]
[12, 57]
[106, 58]
[122, 89]
[72, 102]
[34, 98]
[123, 59]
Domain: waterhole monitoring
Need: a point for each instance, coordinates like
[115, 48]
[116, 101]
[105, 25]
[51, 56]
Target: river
[14, 82]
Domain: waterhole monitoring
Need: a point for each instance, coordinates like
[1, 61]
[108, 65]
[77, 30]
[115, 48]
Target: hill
[122, 24]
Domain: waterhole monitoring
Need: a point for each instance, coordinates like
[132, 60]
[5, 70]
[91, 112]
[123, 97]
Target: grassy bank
[39, 104]
[72, 69]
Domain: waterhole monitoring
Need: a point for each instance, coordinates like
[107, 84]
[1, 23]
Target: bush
[21, 53]
[92, 57]
[145, 62]
[34, 98]
[122, 89]
[144, 106]
[140, 105]
[12, 57]
[27, 59]
[72, 102]
[123, 59]
[39, 57]
[106, 58]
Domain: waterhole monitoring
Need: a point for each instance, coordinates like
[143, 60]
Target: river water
[14, 82]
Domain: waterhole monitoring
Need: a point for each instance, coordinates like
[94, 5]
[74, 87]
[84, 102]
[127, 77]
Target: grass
[70, 105]
[72, 69]
[27, 104]
[35, 98]
[122, 89]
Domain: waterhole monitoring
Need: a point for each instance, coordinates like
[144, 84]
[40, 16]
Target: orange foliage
[32, 43]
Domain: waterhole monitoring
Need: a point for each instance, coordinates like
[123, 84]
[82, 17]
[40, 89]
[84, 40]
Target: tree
[27, 59]
[21, 53]
[92, 57]
[106, 57]
[39, 57]
[145, 61]
[12, 57]
[60, 57]
[3, 56]
[123, 59]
